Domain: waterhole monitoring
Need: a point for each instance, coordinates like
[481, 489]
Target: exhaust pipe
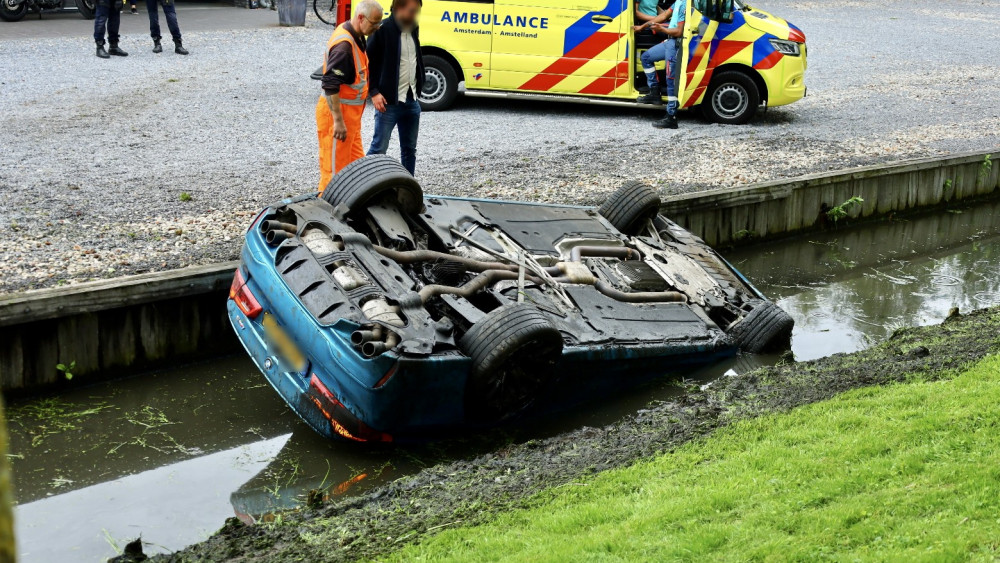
[277, 236]
[359, 337]
[278, 226]
[374, 348]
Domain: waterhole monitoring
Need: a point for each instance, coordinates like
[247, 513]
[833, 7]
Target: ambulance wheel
[732, 99]
[630, 207]
[512, 349]
[363, 180]
[87, 8]
[440, 84]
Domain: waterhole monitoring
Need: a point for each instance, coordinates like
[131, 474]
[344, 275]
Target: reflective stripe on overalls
[335, 155]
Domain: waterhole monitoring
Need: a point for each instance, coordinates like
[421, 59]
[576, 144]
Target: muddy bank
[466, 492]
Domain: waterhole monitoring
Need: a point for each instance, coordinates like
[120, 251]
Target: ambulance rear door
[559, 46]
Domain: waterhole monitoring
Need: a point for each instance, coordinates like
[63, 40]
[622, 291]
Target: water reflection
[849, 288]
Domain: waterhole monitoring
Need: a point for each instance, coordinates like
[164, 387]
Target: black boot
[101, 52]
[668, 122]
[114, 50]
[651, 98]
[178, 48]
[157, 48]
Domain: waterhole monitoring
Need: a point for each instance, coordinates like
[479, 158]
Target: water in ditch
[171, 455]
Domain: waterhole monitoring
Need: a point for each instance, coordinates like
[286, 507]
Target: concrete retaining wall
[112, 328]
[729, 217]
[123, 326]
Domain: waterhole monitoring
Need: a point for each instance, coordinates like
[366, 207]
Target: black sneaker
[653, 98]
[179, 49]
[134, 11]
[157, 47]
[114, 50]
[102, 53]
[668, 122]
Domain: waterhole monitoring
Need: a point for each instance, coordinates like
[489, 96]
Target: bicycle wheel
[326, 11]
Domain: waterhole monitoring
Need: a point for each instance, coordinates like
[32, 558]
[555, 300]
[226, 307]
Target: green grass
[909, 472]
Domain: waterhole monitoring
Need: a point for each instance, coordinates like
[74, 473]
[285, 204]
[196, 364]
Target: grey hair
[369, 8]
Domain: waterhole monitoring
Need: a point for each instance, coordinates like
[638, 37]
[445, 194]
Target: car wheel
[440, 84]
[767, 328]
[512, 349]
[367, 178]
[732, 99]
[13, 10]
[87, 8]
[630, 207]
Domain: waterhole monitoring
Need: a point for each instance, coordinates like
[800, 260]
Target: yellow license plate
[282, 344]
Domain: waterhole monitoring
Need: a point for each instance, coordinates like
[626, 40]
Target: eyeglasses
[375, 24]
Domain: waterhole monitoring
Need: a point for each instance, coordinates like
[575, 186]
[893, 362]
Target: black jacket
[383, 61]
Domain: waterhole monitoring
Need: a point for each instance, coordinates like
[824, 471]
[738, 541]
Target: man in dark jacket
[397, 75]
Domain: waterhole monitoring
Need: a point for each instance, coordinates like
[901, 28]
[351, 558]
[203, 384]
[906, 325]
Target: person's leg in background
[385, 122]
[673, 80]
[409, 129]
[114, 24]
[649, 59]
[352, 148]
[170, 12]
[153, 11]
[324, 130]
[101, 26]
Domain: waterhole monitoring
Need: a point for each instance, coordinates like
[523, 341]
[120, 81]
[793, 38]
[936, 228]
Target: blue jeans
[666, 51]
[406, 116]
[107, 19]
[170, 12]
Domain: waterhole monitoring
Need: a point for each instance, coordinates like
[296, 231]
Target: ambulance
[735, 57]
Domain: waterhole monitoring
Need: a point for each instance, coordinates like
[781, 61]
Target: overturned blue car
[383, 315]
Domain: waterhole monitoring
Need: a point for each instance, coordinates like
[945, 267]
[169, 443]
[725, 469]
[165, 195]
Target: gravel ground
[97, 155]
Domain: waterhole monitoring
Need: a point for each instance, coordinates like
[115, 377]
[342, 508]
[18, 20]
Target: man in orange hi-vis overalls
[345, 91]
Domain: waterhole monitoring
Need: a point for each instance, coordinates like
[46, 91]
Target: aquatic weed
[47, 417]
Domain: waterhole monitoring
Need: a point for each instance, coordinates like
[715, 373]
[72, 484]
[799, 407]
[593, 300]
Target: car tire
[440, 84]
[732, 99]
[9, 13]
[766, 328]
[87, 8]
[365, 179]
[511, 349]
[630, 207]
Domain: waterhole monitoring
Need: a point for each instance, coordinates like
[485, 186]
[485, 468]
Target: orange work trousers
[334, 155]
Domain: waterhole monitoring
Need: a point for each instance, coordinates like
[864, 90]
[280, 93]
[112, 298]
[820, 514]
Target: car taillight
[256, 220]
[342, 421]
[240, 293]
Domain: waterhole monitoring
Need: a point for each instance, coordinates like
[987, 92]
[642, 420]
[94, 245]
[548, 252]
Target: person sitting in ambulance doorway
[345, 91]
[397, 75]
[648, 11]
[665, 51]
